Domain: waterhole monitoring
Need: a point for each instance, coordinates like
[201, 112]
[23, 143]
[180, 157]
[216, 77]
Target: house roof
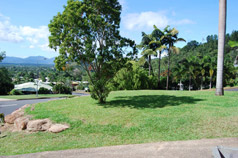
[31, 86]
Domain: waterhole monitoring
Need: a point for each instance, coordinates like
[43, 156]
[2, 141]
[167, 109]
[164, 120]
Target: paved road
[175, 149]
[8, 107]
[232, 89]
[80, 94]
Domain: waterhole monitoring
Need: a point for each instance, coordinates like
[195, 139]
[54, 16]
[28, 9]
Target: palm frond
[181, 39]
[148, 52]
[163, 47]
[175, 49]
[174, 32]
[233, 44]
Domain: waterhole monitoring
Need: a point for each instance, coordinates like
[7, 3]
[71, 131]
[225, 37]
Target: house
[31, 87]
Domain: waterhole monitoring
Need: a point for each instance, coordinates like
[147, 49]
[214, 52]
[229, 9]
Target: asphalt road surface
[232, 89]
[8, 107]
[80, 94]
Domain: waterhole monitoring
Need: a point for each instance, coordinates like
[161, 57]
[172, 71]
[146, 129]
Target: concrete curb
[179, 149]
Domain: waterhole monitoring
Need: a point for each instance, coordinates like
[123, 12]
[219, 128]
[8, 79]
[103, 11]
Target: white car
[86, 89]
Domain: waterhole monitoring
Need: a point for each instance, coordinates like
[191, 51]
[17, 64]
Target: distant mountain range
[29, 60]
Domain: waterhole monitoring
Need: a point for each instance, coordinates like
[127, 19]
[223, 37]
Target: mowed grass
[130, 117]
[33, 96]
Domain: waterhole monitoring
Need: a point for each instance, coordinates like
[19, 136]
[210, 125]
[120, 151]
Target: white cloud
[35, 37]
[46, 48]
[31, 46]
[146, 20]
[9, 32]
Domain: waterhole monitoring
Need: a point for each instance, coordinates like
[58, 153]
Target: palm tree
[212, 68]
[221, 47]
[179, 72]
[203, 64]
[147, 49]
[170, 38]
[159, 46]
[191, 66]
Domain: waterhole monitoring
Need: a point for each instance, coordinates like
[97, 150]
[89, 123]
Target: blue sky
[24, 31]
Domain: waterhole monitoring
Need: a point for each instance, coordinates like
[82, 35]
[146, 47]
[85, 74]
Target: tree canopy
[87, 32]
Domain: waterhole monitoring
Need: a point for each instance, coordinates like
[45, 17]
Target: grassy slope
[32, 96]
[130, 117]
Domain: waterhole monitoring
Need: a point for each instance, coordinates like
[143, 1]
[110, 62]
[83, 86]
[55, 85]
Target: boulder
[38, 125]
[56, 128]
[25, 106]
[13, 116]
[21, 123]
[7, 127]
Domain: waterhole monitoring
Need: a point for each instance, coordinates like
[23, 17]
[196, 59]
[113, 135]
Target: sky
[24, 23]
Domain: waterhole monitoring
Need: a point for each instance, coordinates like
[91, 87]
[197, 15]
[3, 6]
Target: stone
[21, 123]
[7, 127]
[39, 125]
[56, 128]
[13, 116]
[25, 106]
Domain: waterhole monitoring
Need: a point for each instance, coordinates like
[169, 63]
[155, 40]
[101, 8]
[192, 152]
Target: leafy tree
[43, 90]
[133, 77]
[62, 89]
[5, 80]
[87, 32]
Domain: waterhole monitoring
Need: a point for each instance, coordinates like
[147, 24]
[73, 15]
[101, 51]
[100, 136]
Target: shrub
[80, 87]
[15, 92]
[62, 89]
[43, 90]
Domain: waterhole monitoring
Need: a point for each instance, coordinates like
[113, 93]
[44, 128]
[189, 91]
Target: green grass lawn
[33, 96]
[130, 117]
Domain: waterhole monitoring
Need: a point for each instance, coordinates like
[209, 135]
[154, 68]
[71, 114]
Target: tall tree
[147, 49]
[6, 84]
[171, 37]
[221, 47]
[87, 32]
[158, 44]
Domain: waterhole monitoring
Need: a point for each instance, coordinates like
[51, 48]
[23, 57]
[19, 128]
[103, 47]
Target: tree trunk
[221, 47]
[159, 70]
[210, 82]
[202, 83]
[167, 84]
[189, 87]
[149, 65]
[180, 85]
